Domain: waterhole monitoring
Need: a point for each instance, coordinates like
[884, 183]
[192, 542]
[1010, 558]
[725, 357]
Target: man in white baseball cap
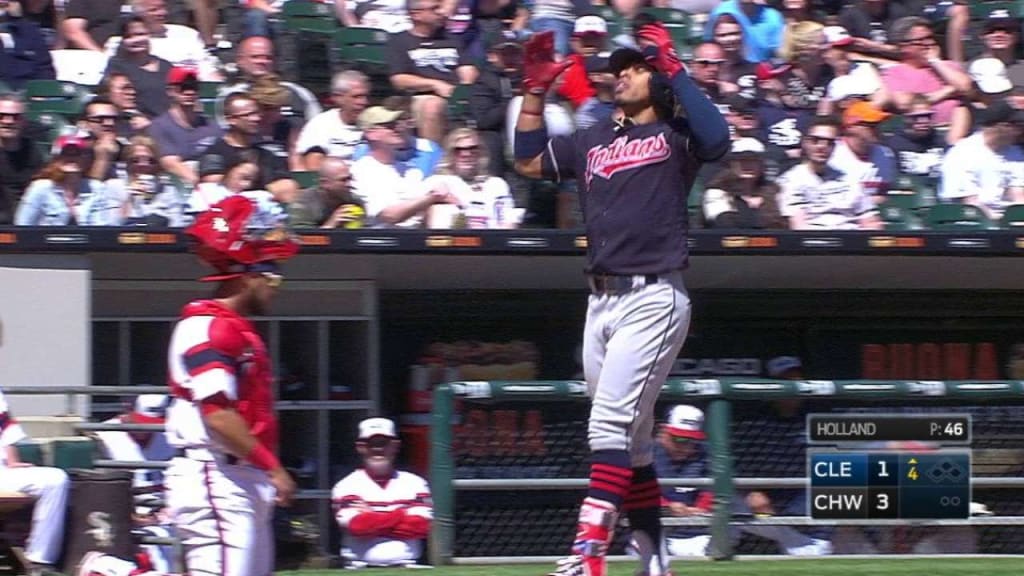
[385, 514]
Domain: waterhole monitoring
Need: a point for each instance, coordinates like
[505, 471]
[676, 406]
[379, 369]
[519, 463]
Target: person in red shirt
[589, 38]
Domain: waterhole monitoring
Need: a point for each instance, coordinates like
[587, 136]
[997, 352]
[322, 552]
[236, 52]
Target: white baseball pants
[49, 486]
[223, 513]
[630, 341]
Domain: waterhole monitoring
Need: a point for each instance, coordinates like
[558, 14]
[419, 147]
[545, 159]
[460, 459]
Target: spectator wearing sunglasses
[183, 132]
[20, 158]
[329, 204]
[808, 74]
[146, 197]
[99, 127]
[918, 146]
[922, 71]
[706, 70]
[62, 194]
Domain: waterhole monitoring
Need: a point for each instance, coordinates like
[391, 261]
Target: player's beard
[378, 467]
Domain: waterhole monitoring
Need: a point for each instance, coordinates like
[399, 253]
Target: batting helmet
[662, 97]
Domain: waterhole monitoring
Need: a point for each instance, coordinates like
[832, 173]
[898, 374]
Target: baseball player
[385, 513]
[147, 484]
[634, 173]
[49, 486]
[222, 489]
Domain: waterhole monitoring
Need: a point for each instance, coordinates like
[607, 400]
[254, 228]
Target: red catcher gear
[235, 233]
[662, 52]
[239, 349]
[539, 66]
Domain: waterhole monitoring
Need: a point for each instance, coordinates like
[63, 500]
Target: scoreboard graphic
[919, 484]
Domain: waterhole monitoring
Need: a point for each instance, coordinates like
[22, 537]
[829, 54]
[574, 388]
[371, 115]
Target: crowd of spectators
[835, 108]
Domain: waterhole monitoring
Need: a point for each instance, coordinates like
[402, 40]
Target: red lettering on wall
[499, 433]
[929, 361]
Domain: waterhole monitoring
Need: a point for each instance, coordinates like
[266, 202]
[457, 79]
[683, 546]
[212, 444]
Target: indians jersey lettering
[633, 184]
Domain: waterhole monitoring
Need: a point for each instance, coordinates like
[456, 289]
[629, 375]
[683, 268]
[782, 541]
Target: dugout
[361, 308]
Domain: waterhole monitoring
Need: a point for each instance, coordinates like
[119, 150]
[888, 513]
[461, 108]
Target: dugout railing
[718, 396]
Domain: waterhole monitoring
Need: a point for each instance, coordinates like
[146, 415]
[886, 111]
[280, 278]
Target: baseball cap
[999, 112]
[67, 142]
[625, 58]
[740, 105]
[780, 365]
[863, 112]
[590, 24]
[150, 408]
[771, 69]
[182, 74]
[377, 116]
[376, 427]
[998, 18]
[685, 421]
[990, 75]
[837, 36]
[851, 86]
[746, 146]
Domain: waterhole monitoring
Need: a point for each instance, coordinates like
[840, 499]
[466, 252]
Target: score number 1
[883, 486]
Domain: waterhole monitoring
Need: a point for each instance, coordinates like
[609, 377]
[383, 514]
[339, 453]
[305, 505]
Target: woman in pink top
[922, 71]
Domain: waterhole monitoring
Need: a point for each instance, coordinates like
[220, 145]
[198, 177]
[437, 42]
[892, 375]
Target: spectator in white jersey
[816, 196]
[384, 513]
[986, 169]
[858, 153]
[335, 132]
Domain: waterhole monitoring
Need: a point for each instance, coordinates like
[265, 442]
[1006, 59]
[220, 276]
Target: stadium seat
[677, 22]
[956, 217]
[306, 179]
[896, 217]
[55, 124]
[65, 98]
[458, 103]
[77, 452]
[1013, 216]
[30, 452]
[363, 48]
[306, 16]
[981, 10]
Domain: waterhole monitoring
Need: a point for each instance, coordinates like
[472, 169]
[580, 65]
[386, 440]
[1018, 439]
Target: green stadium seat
[65, 98]
[956, 217]
[981, 10]
[1013, 216]
[363, 48]
[71, 453]
[30, 452]
[458, 103]
[677, 22]
[896, 217]
[305, 16]
[306, 179]
[55, 124]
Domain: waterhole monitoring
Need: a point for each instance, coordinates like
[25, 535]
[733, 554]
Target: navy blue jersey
[633, 183]
[694, 467]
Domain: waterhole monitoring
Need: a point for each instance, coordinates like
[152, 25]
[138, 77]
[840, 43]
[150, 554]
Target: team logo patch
[625, 154]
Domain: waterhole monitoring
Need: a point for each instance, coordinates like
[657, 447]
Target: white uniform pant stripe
[223, 515]
[629, 345]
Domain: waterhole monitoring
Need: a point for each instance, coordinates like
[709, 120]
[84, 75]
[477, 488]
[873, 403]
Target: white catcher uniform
[387, 541]
[48, 485]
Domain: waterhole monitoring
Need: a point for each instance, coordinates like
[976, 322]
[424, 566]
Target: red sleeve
[368, 524]
[576, 86]
[411, 528]
[704, 501]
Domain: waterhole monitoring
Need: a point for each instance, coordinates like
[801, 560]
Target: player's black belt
[615, 284]
[184, 453]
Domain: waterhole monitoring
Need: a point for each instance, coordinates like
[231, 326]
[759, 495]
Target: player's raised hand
[539, 67]
[659, 51]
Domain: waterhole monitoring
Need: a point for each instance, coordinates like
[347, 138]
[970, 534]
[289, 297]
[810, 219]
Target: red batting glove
[661, 51]
[539, 67]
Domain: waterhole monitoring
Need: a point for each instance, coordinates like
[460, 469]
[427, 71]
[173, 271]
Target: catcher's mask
[662, 97]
